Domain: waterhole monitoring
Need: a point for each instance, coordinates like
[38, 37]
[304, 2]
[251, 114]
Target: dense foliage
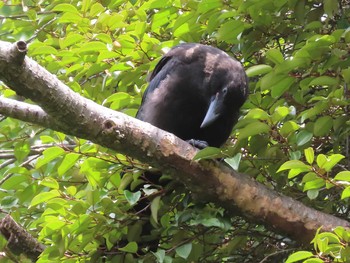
[83, 201]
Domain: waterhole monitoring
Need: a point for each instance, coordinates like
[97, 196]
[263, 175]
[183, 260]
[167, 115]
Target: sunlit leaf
[288, 128]
[49, 155]
[50, 182]
[22, 149]
[343, 176]
[297, 256]
[65, 8]
[294, 164]
[43, 197]
[309, 155]
[314, 184]
[68, 162]
[345, 193]
[258, 70]
[258, 114]
[327, 163]
[131, 247]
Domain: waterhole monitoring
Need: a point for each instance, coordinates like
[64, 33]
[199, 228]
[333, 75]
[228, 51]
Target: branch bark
[19, 240]
[26, 112]
[209, 180]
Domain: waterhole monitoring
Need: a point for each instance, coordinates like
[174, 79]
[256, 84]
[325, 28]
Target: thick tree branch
[26, 112]
[209, 180]
[19, 240]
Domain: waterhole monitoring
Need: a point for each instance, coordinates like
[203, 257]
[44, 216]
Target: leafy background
[79, 198]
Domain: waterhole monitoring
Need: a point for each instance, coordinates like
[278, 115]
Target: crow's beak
[214, 109]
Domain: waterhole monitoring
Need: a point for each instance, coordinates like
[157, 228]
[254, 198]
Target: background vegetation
[79, 198]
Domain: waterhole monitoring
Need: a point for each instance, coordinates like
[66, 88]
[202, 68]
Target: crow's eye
[224, 91]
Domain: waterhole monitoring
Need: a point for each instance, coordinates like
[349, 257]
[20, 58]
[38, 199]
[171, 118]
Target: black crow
[195, 92]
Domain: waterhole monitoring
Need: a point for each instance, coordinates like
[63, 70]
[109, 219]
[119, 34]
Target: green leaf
[312, 194]
[182, 29]
[234, 161]
[258, 70]
[303, 137]
[332, 161]
[22, 149]
[292, 64]
[70, 40]
[125, 181]
[314, 184]
[346, 74]
[160, 19]
[300, 12]
[270, 79]
[230, 30]
[93, 46]
[155, 208]
[296, 171]
[313, 260]
[297, 256]
[342, 233]
[208, 153]
[343, 176]
[257, 114]
[184, 250]
[281, 86]
[104, 38]
[321, 160]
[160, 255]
[345, 193]
[65, 8]
[275, 56]
[317, 109]
[50, 182]
[332, 238]
[288, 128]
[313, 25]
[330, 7]
[210, 222]
[323, 81]
[280, 113]
[119, 100]
[309, 177]
[253, 128]
[43, 50]
[131, 247]
[71, 190]
[323, 126]
[206, 6]
[294, 164]
[15, 181]
[131, 197]
[49, 155]
[96, 9]
[322, 244]
[43, 197]
[68, 162]
[309, 155]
